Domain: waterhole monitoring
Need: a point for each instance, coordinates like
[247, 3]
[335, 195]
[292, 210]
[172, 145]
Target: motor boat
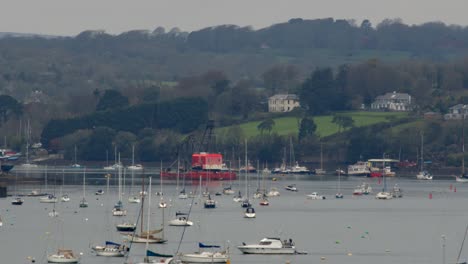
[291, 188]
[269, 246]
[63, 256]
[315, 196]
[228, 190]
[162, 204]
[99, 192]
[205, 257]
[135, 167]
[17, 201]
[48, 199]
[134, 199]
[339, 196]
[273, 192]
[384, 195]
[181, 220]
[65, 198]
[250, 213]
[110, 249]
[126, 227]
[424, 175]
[245, 203]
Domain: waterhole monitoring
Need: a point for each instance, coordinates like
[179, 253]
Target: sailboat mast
[84, 182]
[422, 151]
[120, 180]
[149, 215]
[246, 170]
[142, 202]
[463, 146]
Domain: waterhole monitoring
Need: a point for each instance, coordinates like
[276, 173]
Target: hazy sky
[69, 17]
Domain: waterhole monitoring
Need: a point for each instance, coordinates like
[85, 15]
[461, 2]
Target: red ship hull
[205, 175]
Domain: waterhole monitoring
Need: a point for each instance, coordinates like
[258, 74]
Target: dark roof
[284, 97]
[394, 95]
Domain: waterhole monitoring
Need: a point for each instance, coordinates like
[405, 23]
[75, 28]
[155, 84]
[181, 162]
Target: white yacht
[315, 196]
[250, 213]
[384, 195]
[110, 249]
[424, 175]
[205, 257]
[63, 256]
[181, 220]
[135, 167]
[269, 246]
[273, 192]
[48, 199]
[291, 188]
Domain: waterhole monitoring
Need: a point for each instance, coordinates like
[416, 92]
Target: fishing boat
[203, 256]
[269, 246]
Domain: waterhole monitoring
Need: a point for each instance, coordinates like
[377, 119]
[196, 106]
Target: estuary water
[356, 229]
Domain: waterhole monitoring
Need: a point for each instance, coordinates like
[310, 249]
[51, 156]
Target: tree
[307, 128]
[343, 121]
[8, 107]
[267, 124]
[317, 93]
[111, 99]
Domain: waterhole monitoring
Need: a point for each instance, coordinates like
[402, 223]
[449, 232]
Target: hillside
[325, 126]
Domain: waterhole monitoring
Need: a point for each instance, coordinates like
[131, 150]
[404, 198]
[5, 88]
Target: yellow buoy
[228, 261]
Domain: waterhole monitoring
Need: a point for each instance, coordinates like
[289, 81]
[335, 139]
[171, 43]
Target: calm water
[352, 230]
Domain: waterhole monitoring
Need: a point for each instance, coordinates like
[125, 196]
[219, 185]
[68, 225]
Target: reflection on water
[350, 230]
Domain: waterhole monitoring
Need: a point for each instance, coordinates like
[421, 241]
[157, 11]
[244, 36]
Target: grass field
[325, 127]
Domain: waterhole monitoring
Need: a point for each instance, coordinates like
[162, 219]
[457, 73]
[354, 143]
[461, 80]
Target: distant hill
[25, 35]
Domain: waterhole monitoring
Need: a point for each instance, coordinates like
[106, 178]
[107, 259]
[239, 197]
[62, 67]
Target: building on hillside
[283, 102]
[393, 102]
[458, 111]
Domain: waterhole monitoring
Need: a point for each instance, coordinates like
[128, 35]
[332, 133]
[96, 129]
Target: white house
[458, 111]
[283, 102]
[393, 102]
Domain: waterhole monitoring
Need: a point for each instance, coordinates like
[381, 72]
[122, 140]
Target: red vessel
[208, 166]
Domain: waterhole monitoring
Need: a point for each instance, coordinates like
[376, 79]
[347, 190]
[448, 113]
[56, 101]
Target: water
[351, 230]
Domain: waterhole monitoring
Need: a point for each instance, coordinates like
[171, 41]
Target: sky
[70, 17]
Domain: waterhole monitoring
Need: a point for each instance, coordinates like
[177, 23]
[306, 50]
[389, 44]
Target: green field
[325, 127]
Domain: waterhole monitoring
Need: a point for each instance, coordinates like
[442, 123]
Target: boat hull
[258, 250]
[199, 258]
[61, 259]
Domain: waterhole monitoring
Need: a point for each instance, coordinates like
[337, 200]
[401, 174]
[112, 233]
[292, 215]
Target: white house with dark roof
[283, 102]
[393, 102]
[458, 111]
